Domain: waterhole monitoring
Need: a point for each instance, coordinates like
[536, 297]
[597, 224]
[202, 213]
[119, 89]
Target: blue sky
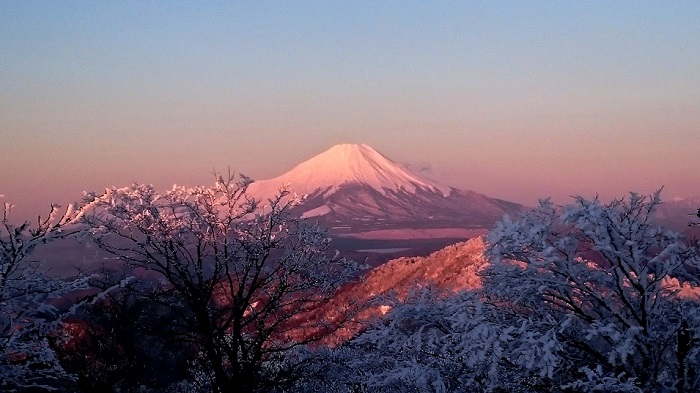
[513, 99]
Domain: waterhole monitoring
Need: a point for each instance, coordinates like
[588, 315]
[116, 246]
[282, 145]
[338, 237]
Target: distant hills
[676, 213]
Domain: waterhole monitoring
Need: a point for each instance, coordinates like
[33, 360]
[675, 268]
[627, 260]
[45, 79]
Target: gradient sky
[516, 100]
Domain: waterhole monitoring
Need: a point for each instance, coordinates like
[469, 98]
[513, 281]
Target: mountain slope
[451, 269]
[353, 188]
[676, 214]
[347, 164]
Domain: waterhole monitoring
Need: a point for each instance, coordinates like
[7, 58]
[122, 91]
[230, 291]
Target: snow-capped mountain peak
[353, 188]
[347, 164]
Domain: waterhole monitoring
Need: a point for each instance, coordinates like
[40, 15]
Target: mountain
[676, 213]
[353, 189]
[451, 269]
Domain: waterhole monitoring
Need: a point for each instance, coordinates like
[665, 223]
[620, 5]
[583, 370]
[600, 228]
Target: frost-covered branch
[585, 297]
[607, 267]
[248, 275]
[27, 315]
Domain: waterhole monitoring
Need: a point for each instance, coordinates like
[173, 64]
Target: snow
[319, 211]
[346, 164]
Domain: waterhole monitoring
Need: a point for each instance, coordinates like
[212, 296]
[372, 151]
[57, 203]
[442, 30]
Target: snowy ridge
[347, 164]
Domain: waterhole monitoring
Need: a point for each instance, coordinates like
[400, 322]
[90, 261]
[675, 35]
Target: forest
[218, 292]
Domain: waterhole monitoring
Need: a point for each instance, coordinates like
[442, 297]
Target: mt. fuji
[352, 189]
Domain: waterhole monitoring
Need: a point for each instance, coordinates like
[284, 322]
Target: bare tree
[243, 278]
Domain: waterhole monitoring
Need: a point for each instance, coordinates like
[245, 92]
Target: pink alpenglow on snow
[345, 164]
[352, 188]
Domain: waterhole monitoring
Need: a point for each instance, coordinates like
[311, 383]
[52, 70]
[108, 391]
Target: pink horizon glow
[516, 101]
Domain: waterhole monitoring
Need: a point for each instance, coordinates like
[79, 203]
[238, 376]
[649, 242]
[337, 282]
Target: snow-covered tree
[440, 341]
[243, 277]
[695, 222]
[606, 281]
[27, 316]
[589, 297]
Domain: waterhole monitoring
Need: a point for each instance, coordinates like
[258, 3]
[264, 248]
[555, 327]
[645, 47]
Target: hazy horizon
[515, 101]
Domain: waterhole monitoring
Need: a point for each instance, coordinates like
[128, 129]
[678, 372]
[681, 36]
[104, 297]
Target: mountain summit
[344, 165]
[352, 188]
